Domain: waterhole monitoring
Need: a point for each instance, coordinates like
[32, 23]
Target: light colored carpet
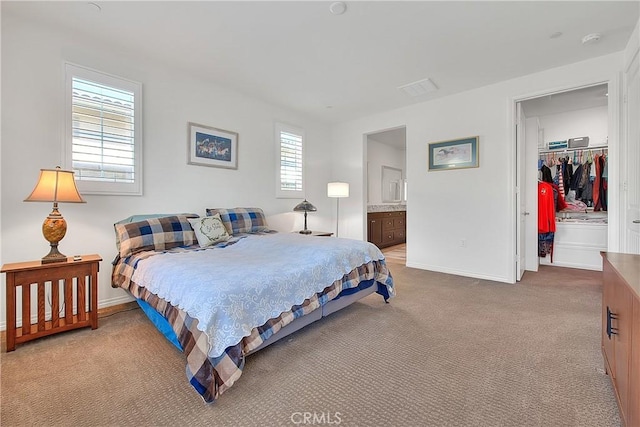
[447, 351]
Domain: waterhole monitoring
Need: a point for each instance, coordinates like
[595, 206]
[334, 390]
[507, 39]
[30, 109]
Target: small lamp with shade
[305, 207]
[56, 186]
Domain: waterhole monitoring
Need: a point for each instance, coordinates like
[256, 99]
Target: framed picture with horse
[209, 146]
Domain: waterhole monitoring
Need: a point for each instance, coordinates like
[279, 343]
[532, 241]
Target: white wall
[477, 204]
[378, 155]
[32, 131]
[591, 122]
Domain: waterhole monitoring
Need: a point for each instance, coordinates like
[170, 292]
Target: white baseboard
[441, 269]
[101, 304]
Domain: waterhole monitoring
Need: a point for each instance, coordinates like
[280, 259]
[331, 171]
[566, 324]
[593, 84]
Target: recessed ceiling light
[591, 38]
[338, 7]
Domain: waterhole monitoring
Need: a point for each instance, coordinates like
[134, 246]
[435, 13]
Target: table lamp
[57, 186]
[305, 207]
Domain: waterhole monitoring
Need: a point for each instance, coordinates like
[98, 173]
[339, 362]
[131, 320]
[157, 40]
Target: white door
[532, 142]
[520, 193]
[631, 218]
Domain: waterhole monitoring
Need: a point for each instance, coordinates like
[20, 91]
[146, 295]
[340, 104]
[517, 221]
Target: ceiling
[396, 138]
[332, 68]
[579, 99]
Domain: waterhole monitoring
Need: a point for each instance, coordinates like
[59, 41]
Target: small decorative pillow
[241, 220]
[209, 230]
[154, 234]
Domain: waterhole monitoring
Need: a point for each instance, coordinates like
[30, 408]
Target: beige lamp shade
[55, 185]
[338, 189]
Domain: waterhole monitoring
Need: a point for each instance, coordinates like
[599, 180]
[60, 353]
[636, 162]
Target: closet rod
[566, 150]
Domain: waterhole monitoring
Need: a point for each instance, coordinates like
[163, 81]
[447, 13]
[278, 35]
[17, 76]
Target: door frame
[614, 131]
[365, 173]
[520, 192]
[630, 206]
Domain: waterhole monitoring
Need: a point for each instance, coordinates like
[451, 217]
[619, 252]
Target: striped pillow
[154, 234]
[241, 220]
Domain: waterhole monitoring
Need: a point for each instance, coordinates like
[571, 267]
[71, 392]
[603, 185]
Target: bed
[223, 286]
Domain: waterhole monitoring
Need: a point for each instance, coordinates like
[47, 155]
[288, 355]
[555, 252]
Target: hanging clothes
[546, 219]
[560, 175]
[575, 181]
[600, 185]
[546, 174]
[586, 184]
[559, 200]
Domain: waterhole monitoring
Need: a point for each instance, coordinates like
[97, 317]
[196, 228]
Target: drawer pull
[610, 329]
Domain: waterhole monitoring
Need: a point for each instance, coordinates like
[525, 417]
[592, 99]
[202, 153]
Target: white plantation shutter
[103, 133]
[290, 167]
[104, 136]
[290, 161]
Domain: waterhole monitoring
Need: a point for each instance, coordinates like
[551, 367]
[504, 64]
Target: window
[103, 143]
[290, 161]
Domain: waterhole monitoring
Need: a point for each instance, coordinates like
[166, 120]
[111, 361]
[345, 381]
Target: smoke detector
[591, 38]
[338, 7]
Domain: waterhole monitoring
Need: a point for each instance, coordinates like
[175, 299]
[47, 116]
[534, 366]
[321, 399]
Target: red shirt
[546, 208]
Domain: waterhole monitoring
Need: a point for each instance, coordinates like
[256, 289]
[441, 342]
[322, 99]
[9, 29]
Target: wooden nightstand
[72, 286]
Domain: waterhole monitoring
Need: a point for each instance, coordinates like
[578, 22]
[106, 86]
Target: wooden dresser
[621, 331]
[386, 228]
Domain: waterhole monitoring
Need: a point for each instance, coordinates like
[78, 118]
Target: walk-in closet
[570, 130]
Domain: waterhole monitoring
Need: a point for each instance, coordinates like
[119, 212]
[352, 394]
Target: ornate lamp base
[54, 228]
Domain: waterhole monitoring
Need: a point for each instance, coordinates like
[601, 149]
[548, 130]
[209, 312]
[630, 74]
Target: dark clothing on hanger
[600, 186]
[546, 174]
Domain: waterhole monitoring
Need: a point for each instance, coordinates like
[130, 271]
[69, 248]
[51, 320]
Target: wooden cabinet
[70, 288]
[621, 331]
[386, 228]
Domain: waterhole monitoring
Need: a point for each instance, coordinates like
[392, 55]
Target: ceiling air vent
[419, 88]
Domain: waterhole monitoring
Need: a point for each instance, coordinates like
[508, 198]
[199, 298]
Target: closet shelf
[571, 150]
[567, 215]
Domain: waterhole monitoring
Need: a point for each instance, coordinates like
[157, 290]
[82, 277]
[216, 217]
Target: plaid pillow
[136, 218]
[241, 220]
[154, 234]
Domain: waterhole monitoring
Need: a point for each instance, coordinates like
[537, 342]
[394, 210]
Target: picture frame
[209, 146]
[454, 154]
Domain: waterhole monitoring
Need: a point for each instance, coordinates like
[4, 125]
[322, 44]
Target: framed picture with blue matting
[210, 146]
[454, 154]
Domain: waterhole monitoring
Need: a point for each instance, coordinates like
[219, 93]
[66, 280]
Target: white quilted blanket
[231, 290]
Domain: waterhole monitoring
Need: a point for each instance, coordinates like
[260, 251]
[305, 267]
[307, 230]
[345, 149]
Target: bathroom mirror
[392, 185]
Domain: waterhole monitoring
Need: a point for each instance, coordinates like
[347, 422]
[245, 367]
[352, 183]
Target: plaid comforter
[212, 376]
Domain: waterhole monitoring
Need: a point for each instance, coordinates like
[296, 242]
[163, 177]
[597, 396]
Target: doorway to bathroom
[386, 191]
